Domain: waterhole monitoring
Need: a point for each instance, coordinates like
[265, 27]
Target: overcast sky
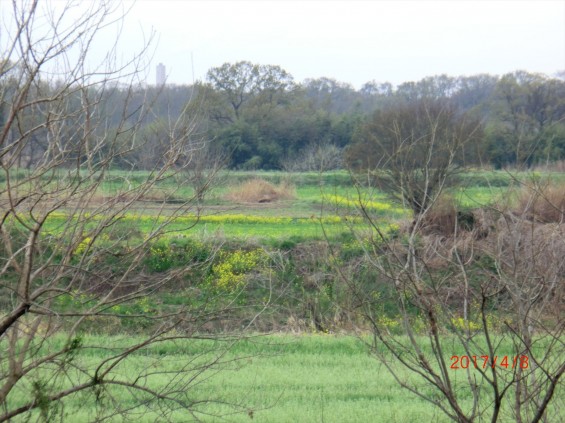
[356, 41]
[351, 41]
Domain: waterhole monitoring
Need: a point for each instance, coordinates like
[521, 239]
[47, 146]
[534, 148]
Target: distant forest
[258, 117]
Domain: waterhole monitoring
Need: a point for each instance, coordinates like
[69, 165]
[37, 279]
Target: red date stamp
[485, 361]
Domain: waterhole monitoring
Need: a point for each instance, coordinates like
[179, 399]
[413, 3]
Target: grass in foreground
[276, 378]
[306, 378]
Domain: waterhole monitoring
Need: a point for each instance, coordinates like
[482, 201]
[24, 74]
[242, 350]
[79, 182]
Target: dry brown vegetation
[542, 203]
[260, 191]
[441, 218]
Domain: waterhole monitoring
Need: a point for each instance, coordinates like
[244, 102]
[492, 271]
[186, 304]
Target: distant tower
[161, 74]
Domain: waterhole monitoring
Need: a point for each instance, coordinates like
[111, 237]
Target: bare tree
[413, 149]
[200, 163]
[479, 323]
[61, 226]
[204, 166]
[315, 158]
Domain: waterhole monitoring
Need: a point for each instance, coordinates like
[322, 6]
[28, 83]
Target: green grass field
[318, 200]
[311, 377]
[273, 378]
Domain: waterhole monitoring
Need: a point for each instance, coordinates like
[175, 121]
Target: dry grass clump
[542, 204]
[445, 219]
[260, 191]
[441, 218]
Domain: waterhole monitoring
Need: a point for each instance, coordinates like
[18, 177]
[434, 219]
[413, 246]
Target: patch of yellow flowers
[367, 204]
[81, 248]
[230, 273]
[224, 219]
[241, 219]
[388, 323]
[461, 324]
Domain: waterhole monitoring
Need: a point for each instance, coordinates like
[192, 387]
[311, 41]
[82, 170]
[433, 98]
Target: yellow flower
[81, 248]
[366, 204]
[462, 324]
[230, 273]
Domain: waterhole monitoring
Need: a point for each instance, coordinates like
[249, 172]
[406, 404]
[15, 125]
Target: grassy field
[317, 210]
[311, 377]
[273, 378]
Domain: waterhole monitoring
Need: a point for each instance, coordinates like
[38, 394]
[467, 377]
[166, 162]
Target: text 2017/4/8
[484, 361]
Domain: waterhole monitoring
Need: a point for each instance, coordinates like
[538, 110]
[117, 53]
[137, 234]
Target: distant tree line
[262, 119]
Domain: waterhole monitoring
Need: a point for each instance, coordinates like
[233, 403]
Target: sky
[356, 41]
[351, 41]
